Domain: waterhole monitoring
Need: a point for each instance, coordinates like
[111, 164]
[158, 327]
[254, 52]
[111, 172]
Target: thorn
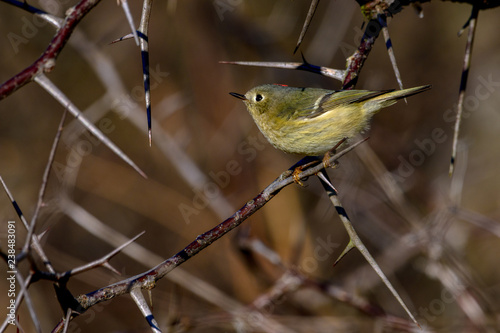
[452, 166]
[129, 36]
[42, 234]
[111, 268]
[307, 22]
[471, 23]
[382, 19]
[418, 9]
[323, 178]
[467, 23]
[150, 294]
[304, 59]
[141, 172]
[348, 248]
[130, 19]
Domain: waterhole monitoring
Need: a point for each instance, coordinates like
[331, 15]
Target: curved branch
[147, 280]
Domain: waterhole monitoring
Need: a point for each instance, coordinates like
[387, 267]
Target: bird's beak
[240, 96]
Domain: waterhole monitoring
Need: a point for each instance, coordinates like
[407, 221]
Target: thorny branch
[148, 279]
[47, 61]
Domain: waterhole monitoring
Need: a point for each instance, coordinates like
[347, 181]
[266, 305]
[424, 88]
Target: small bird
[311, 121]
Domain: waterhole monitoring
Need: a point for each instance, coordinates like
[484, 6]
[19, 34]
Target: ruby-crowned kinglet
[311, 121]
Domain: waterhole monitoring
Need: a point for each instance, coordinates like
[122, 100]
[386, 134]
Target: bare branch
[148, 279]
[102, 261]
[144, 43]
[45, 180]
[47, 60]
[307, 22]
[356, 242]
[45, 83]
[472, 22]
[130, 19]
[337, 74]
[357, 60]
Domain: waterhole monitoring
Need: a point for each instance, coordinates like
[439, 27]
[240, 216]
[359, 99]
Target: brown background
[192, 105]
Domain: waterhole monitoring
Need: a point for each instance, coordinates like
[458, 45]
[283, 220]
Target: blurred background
[434, 236]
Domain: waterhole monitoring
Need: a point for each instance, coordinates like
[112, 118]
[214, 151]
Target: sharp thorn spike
[323, 178]
[348, 248]
[111, 268]
[303, 58]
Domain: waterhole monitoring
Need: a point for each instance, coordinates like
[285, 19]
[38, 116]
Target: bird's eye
[259, 97]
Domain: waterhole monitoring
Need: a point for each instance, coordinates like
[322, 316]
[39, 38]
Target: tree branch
[46, 62]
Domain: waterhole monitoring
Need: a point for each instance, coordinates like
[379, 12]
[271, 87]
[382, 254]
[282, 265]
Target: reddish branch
[46, 62]
[357, 60]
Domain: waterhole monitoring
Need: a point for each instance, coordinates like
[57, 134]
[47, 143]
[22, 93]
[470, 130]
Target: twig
[45, 180]
[130, 19]
[307, 22]
[357, 60]
[53, 20]
[327, 287]
[148, 279]
[463, 82]
[54, 91]
[19, 212]
[144, 43]
[67, 319]
[382, 19]
[356, 242]
[102, 261]
[47, 61]
[337, 74]
[148, 258]
[142, 39]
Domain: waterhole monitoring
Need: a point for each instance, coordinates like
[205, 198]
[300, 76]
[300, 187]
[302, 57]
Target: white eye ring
[259, 97]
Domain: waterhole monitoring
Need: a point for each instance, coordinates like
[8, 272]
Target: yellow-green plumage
[311, 121]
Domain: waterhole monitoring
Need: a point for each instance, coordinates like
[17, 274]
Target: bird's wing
[329, 101]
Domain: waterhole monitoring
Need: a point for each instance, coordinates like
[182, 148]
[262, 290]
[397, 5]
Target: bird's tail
[388, 98]
[398, 94]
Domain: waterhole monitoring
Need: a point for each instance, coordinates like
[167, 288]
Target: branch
[303, 66]
[46, 62]
[148, 279]
[357, 60]
[472, 23]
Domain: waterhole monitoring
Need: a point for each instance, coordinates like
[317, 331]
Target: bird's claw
[330, 153]
[296, 175]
